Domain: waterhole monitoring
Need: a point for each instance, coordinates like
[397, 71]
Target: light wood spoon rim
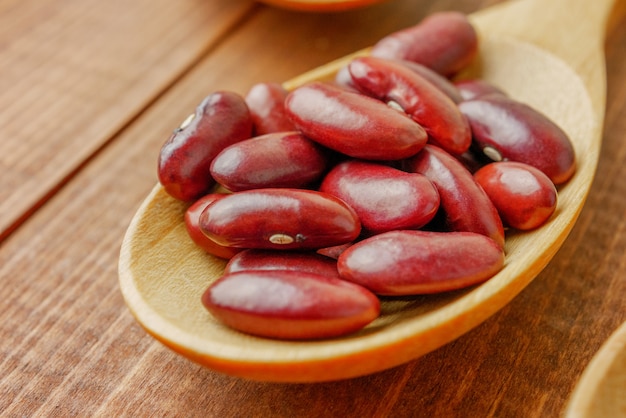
[597, 393]
[159, 267]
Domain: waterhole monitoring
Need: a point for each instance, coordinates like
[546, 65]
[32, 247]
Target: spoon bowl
[163, 274]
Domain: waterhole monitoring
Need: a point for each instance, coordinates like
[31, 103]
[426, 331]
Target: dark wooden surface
[88, 93]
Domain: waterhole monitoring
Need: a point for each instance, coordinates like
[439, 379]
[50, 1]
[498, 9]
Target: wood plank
[70, 347]
[70, 323]
[74, 72]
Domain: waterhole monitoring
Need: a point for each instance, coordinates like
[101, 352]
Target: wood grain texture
[73, 73]
[69, 346]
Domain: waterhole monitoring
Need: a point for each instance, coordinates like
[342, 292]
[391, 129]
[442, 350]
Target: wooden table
[89, 90]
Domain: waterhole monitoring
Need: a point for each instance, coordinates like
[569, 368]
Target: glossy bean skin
[442, 83]
[391, 81]
[303, 261]
[475, 88]
[353, 124]
[523, 195]
[420, 262]
[280, 219]
[506, 129]
[383, 197]
[266, 102]
[290, 305]
[343, 78]
[279, 159]
[466, 206]
[185, 159]
[445, 42]
[192, 225]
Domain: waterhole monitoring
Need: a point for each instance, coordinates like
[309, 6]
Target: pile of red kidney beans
[395, 179]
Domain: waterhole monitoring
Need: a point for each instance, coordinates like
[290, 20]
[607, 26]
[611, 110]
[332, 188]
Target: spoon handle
[573, 30]
[570, 29]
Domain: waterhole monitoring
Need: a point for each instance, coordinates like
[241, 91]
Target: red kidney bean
[280, 219]
[192, 224]
[445, 42]
[308, 262]
[266, 102]
[506, 129]
[185, 159]
[442, 83]
[391, 81]
[335, 251]
[466, 205]
[279, 159]
[383, 197]
[524, 196]
[476, 88]
[290, 304]
[344, 79]
[353, 124]
[420, 262]
[472, 161]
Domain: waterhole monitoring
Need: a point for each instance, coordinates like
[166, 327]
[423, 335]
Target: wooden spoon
[602, 388]
[548, 53]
